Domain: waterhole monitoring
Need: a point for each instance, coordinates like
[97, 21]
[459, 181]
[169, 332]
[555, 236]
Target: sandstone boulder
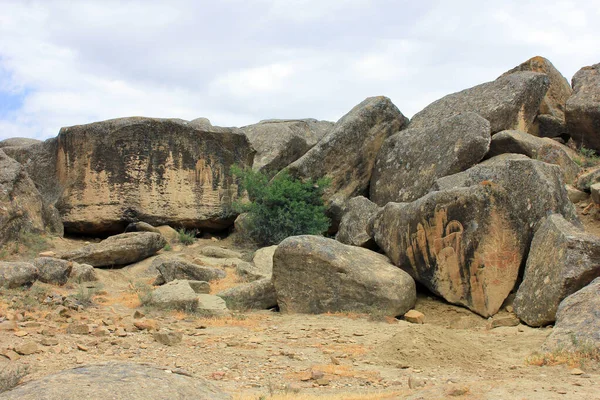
[119, 381]
[212, 306]
[53, 270]
[219, 252]
[169, 233]
[173, 268]
[410, 161]
[175, 295]
[278, 143]
[312, 274]
[17, 274]
[577, 321]
[562, 260]
[583, 108]
[123, 249]
[83, 273]
[355, 220]
[256, 295]
[543, 149]
[141, 227]
[576, 195]
[261, 266]
[509, 102]
[550, 121]
[347, 153]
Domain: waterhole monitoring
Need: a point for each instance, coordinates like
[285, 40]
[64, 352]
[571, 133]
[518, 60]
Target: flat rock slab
[127, 381]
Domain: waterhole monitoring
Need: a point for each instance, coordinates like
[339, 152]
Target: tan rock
[27, 348]
[415, 317]
[78, 329]
[147, 325]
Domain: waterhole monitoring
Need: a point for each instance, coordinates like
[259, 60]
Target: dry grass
[332, 396]
[232, 279]
[247, 320]
[331, 371]
[573, 358]
[127, 299]
[349, 349]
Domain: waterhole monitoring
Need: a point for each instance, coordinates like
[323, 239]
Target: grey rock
[313, 275]
[256, 295]
[242, 226]
[212, 306]
[355, 220]
[119, 381]
[200, 287]
[595, 193]
[83, 273]
[175, 295]
[53, 270]
[509, 102]
[262, 264]
[18, 142]
[583, 108]
[542, 149]
[168, 337]
[278, 143]
[576, 195]
[219, 252]
[410, 161]
[577, 321]
[123, 249]
[562, 260]
[346, 154]
[172, 268]
[141, 227]
[587, 179]
[17, 274]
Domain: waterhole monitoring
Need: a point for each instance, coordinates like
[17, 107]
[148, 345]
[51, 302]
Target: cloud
[237, 62]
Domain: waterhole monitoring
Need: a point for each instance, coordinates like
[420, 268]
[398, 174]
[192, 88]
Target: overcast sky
[239, 61]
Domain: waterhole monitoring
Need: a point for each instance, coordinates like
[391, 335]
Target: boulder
[53, 270]
[21, 206]
[577, 321]
[123, 249]
[119, 381]
[18, 142]
[347, 153]
[576, 195]
[242, 226]
[83, 273]
[585, 181]
[562, 260]
[219, 252]
[175, 295]
[550, 121]
[313, 275]
[355, 220]
[159, 171]
[509, 102]
[141, 227]
[249, 272]
[17, 274]
[169, 233]
[173, 268]
[212, 306]
[261, 266]
[583, 108]
[257, 295]
[410, 161]
[200, 287]
[542, 149]
[278, 143]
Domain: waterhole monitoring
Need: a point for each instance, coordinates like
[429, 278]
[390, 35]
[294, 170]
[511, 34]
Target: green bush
[281, 207]
[186, 237]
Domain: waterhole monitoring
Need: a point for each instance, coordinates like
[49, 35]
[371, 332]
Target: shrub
[186, 237]
[281, 207]
[587, 157]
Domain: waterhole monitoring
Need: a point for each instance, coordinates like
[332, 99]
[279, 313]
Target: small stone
[101, 331]
[21, 333]
[322, 382]
[78, 329]
[502, 321]
[415, 382]
[47, 254]
[577, 371]
[147, 325]
[81, 347]
[315, 375]
[414, 317]
[11, 355]
[49, 342]
[137, 314]
[27, 348]
[167, 337]
[121, 332]
[334, 360]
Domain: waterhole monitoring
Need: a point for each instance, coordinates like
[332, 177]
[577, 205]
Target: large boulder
[562, 260]
[313, 274]
[280, 142]
[175, 295]
[123, 249]
[21, 205]
[53, 270]
[550, 121]
[577, 325]
[585, 181]
[118, 381]
[347, 153]
[410, 161]
[16, 274]
[18, 142]
[583, 108]
[543, 149]
[355, 221]
[104, 175]
[257, 295]
[509, 102]
[173, 268]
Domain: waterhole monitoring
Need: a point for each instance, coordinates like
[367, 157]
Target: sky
[237, 62]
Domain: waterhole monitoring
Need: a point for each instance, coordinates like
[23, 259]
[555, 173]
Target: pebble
[415, 317]
[27, 348]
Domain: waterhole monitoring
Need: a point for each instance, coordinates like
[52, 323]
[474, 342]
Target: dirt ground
[265, 354]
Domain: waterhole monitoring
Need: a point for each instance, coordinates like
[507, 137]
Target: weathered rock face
[160, 171]
[355, 220]
[257, 295]
[16, 274]
[462, 244]
[562, 260]
[542, 149]
[587, 179]
[410, 161]
[83, 273]
[172, 268]
[347, 153]
[509, 102]
[53, 270]
[18, 142]
[21, 207]
[122, 249]
[118, 381]
[278, 143]
[141, 227]
[583, 108]
[577, 321]
[312, 274]
[550, 121]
